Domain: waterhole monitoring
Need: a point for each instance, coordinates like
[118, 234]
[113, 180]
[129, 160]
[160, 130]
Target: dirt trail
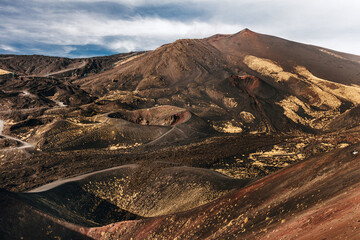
[57, 183]
[72, 68]
[1, 126]
[77, 66]
[24, 144]
[166, 133]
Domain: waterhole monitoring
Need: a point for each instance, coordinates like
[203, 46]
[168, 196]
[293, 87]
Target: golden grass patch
[3, 72]
[268, 68]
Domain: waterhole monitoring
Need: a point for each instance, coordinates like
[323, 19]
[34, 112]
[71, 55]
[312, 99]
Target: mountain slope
[68, 207]
[324, 63]
[320, 83]
[176, 64]
[316, 199]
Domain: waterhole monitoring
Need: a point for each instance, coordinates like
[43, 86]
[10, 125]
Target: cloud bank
[90, 27]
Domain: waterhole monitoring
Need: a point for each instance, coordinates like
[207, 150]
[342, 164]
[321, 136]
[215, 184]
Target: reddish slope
[215, 58]
[65, 207]
[316, 199]
[179, 63]
[324, 63]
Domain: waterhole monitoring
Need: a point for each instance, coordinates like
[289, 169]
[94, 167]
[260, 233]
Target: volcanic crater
[158, 116]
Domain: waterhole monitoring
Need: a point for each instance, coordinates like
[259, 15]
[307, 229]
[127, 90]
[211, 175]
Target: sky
[85, 28]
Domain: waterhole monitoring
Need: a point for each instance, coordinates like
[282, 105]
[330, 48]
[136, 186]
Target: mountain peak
[246, 31]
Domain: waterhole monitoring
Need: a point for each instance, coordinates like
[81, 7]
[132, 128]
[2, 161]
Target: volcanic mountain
[233, 136]
[262, 76]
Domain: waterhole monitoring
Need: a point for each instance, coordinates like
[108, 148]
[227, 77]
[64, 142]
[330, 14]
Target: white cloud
[126, 45]
[152, 2]
[136, 31]
[86, 27]
[8, 48]
[68, 49]
[82, 29]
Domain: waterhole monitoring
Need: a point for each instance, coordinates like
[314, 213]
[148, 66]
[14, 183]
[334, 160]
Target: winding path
[24, 144]
[77, 66]
[57, 183]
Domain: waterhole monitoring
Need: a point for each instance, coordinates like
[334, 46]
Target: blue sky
[83, 28]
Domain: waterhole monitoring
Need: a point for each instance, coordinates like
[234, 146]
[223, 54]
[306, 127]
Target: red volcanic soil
[324, 63]
[253, 86]
[171, 65]
[347, 120]
[316, 199]
[259, 97]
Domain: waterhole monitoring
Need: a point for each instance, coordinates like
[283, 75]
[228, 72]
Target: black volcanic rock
[31, 92]
[21, 220]
[43, 66]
